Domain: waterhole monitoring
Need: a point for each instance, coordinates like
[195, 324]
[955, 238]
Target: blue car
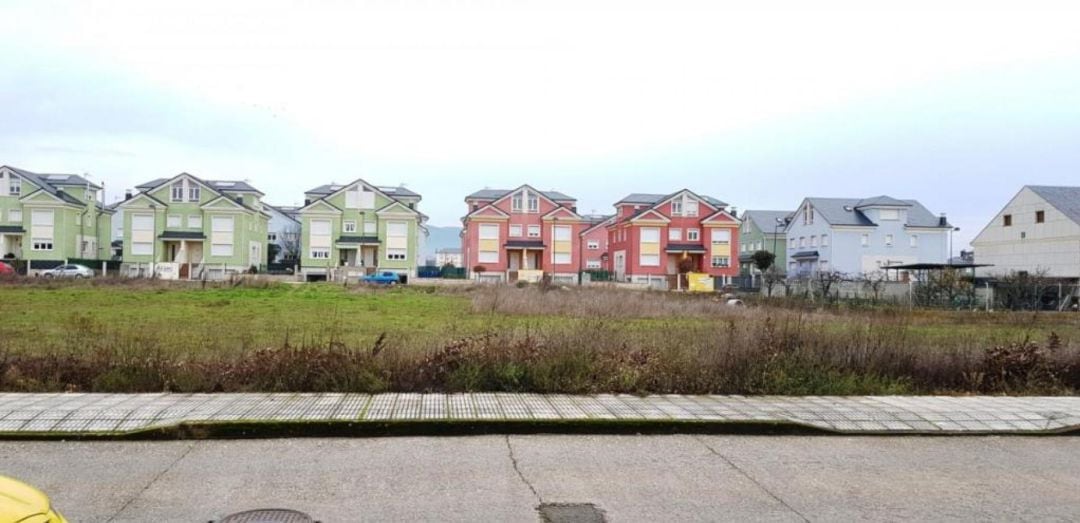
[381, 278]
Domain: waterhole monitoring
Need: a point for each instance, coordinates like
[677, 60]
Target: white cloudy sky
[760, 106]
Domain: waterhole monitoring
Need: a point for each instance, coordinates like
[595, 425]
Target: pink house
[593, 243]
[522, 233]
[655, 237]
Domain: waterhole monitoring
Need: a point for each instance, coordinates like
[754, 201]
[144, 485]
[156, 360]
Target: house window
[691, 208]
[1040, 216]
[888, 240]
[592, 264]
[914, 240]
[41, 244]
[319, 253]
[534, 231]
[865, 240]
[813, 241]
[534, 203]
[396, 254]
[349, 226]
[15, 215]
[515, 231]
[489, 243]
[14, 186]
[221, 235]
[561, 257]
[802, 241]
[271, 237]
[177, 194]
[194, 221]
[194, 193]
[90, 195]
[889, 214]
[693, 235]
[676, 207]
[593, 245]
[650, 247]
[142, 234]
[720, 261]
[172, 220]
[561, 233]
[824, 240]
[369, 227]
[1007, 220]
[792, 243]
[721, 236]
[78, 219]
[515, 203]
[397, 240]
[674, 235]
[41, 230]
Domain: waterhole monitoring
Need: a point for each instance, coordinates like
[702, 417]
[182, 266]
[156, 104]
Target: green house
[47, 220]
[357, 228]
[188, 228]
[762, 231]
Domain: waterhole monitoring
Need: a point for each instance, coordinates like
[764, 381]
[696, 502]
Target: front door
[620, 264]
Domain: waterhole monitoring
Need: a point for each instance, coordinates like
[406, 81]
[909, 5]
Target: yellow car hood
[20, 502]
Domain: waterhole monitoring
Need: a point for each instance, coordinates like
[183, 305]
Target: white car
[69, 271]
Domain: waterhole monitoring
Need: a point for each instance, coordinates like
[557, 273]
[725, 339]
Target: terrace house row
[856, 236]
[188, 228]
[48, 219]
[358, 228]
[525, 234]
[655, 237]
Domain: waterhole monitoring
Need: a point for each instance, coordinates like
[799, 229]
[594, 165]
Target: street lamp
[951, 231]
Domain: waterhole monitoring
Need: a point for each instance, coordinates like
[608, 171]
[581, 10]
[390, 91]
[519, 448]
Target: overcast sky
[957, 108]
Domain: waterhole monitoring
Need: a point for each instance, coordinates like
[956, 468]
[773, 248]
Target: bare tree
[874, 283]
[770, 278]
[822, 283]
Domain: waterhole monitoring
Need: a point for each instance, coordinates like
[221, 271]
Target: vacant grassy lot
[145, 336]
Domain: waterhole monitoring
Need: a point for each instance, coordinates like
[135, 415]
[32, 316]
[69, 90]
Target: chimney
[574, 208]
[307, 201]
[127, 195]
[942, 222]
[735, 212]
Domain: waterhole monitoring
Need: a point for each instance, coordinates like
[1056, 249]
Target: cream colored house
[1039, 229]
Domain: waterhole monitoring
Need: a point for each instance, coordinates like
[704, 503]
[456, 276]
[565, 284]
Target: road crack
[151, 483]
[514, 462]
[751, 478]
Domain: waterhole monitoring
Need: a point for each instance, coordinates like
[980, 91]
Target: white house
[1039, 229]
[283, 231]
[448, 256]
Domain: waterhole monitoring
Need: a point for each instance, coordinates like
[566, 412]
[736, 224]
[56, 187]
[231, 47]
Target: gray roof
[1064, 199]
[330, 188]
[653, 199]
[766, 220]
[398, 191]
[219, 185]
[495, 194]
[44, 183]
[844, 211]
[882, 201]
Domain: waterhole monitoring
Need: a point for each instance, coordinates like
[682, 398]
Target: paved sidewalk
[76, 414]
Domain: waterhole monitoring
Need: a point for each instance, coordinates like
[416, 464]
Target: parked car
[6, 270]
[70, 270]
[382, 278]
[21, 502]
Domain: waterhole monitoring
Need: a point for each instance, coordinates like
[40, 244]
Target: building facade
[762, 231]
[521, 234]
[593, 243]
[283, 234]
[185, 227]
[1038, 231]
[854, 236]
[359, 228]
[449, 256]
[47, 219]
[655, 237]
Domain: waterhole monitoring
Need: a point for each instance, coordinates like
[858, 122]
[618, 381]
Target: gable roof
[398, 203]
[881, 201]
[288, 212]
[398, 191]
[41, 181]
[653, 199]
[596, 220]
[495, 194]
[765, 221]
[845, 211]
[487, 207]
[217, 185]
[1062, 198]
[641, 215]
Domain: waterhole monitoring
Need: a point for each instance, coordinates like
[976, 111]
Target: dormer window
[676, 207]
[889, 214]
[516, 203]
[534, 203]
[177, 194]
[194, 193]
[14, 186]
[691, 208]
[808, 215]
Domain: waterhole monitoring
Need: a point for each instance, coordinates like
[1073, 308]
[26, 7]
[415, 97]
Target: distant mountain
[440, 238]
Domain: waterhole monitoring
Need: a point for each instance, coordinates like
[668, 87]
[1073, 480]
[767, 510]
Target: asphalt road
[500, 478]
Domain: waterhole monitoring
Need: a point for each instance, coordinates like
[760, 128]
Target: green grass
[146, 336]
